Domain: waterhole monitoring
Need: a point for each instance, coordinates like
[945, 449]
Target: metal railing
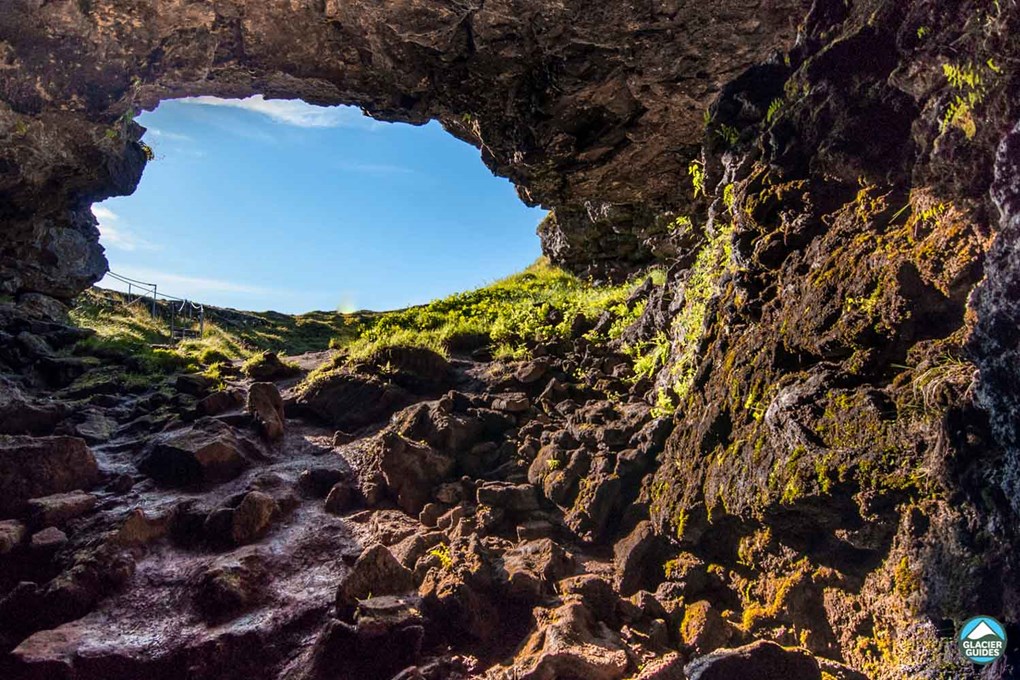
[182, 314]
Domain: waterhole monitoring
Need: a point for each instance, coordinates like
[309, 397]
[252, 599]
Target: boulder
[534, 567]
[703, 628]
[48, 540]
[317, 482]
[340, 499]
[218, 402]
[513, 402]
[266, 405]
[229, 585]
[31, 467]
[570, 643]
[417, 369]
[757, 661]
[385, 640]
[376, 572]
[635, 558]
[20, 415]
[268, 367]
[208, 451]
[58, 509]
[513, 497]
[348, 400]
[251, 519]
[195, 384]
[532, 371]
[411, 470]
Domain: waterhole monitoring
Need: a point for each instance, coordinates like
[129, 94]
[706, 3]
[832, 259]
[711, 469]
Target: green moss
[906, 581]
[702, 284]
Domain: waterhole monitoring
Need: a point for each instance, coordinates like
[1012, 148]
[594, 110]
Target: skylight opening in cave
[275, 204]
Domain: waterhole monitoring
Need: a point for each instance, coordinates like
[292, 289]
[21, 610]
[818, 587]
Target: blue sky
[259, 205]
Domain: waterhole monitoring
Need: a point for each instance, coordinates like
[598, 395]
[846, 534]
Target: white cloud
[117, 235]
[292, 111]
[167, 135]
[191, 287]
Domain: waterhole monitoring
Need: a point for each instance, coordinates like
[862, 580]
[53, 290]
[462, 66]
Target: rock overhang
[589, 110]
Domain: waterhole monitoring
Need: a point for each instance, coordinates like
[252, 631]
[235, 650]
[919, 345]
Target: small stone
[515, 402]
[430, 514]
[514, 497]
[266, 405]
[12, 533]
[341, 438]
[758, 661]
[58, 509]
[340, 499]
[532, 371]
[252, 517]
[48, 539]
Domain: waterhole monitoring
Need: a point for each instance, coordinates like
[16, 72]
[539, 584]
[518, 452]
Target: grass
[542, 303]
[510, 317]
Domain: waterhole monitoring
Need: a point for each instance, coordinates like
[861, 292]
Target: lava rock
[31, 467]
[758, 661]
[376, 572]
[58, 509]
[266, 405]
[12, 534]
[251, 519]
[208, 451]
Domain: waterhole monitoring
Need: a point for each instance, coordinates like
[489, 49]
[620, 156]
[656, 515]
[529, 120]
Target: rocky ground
[409, 517]
[807, 433]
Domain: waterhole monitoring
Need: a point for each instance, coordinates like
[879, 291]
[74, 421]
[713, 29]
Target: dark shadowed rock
[758, 661]
[40, 466]
[351, 400]
[411, 470]
[251, 519]
[208, 451]
[268, 367]
[570, 642]
[340, 498]
[230, 585]
[58, 509]
[635, 558]
[376, 572]
[12, 534]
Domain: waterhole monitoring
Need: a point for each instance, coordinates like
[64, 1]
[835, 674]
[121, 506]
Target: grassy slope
[540, 303]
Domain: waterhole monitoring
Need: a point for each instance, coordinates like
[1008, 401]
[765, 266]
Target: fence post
[153, 301]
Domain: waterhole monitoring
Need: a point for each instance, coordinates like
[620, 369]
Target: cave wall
[592, 110]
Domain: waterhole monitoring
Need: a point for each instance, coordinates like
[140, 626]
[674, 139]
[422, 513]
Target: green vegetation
[968, 82]
[775, 108]
[697, 172]
[442, 551]
[728, 134]
[689, 324]
[542, 303]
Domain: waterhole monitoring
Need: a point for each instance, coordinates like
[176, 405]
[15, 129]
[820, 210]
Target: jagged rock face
[593, 109]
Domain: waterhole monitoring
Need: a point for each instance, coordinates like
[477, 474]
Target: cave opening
[277, 204]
